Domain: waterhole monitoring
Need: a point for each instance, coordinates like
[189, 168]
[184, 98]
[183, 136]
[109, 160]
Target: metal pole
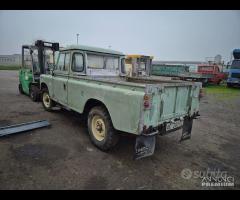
[77, 37]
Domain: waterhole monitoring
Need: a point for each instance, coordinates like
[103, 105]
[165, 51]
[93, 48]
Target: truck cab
[234, 70]
[211, 69]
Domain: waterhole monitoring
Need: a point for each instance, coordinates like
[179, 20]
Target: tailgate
[172, 102]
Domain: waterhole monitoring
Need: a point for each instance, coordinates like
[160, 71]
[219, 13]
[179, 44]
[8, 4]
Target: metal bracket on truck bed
[7, 130]
[144, 146]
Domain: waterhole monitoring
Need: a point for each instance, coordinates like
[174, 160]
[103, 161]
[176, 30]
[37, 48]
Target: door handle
[64, 86]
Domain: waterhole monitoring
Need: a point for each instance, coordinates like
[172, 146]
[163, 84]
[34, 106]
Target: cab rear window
[102, 61]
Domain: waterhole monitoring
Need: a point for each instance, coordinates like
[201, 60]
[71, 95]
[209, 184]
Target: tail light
[147, 101]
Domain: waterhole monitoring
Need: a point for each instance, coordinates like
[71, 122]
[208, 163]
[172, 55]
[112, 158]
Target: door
[60, 78]
[75, 89]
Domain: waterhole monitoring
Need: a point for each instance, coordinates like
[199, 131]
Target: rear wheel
[47, 102]
[100, 128]
[20, 88]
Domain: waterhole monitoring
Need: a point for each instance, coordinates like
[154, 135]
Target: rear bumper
[161, 128]
[145, 143]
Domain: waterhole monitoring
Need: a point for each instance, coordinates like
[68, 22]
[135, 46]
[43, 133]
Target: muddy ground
[62, 156]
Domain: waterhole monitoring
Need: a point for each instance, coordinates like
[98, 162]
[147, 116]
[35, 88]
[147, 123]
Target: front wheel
[100, 128]
[20, 88]
[33, 93]
[47, 102]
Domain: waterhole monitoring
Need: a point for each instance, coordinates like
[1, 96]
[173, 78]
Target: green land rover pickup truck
[93, 81]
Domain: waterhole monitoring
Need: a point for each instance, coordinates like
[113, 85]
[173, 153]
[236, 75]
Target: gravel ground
[62, 156]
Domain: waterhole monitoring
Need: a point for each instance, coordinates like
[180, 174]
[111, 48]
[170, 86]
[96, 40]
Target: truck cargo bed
[138, 81]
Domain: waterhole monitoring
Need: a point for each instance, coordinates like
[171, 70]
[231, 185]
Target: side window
[60, 65]
[111, 62]
[56, 54]
[123, 69]
[77, 62]
[67, 62]
[27, 59]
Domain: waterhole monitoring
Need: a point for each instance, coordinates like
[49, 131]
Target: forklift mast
[41, 45]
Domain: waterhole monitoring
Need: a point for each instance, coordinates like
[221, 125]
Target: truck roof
[207, 65]
[137, 56]
[93, 49]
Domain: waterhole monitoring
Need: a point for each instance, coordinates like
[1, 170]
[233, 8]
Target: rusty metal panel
[7, 130]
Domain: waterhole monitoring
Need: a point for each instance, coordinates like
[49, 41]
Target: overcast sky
[167, 35]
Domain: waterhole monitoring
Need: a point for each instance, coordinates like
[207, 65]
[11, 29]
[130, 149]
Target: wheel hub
[98, 128]
[46, 99]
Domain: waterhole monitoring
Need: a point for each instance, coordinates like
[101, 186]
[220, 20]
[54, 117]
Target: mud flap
[187, 129]
[144, 146]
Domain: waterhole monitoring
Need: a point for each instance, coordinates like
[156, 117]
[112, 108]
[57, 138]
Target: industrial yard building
[10, 60]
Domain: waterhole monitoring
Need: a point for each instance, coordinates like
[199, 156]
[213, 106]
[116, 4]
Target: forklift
[138, 65]
[37, 59]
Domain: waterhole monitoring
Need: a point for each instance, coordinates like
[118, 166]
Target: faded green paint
[177, 71]
[25, 78]
[168, 70]
[123, 104]
[172, 102]
[123, 97]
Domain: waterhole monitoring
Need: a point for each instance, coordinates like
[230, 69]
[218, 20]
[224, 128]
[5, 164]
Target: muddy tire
[220, 82]
[47, 102]
[100, 129]
[20, 88]
[33, 93]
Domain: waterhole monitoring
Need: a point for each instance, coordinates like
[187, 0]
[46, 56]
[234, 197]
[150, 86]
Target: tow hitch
[144, 146]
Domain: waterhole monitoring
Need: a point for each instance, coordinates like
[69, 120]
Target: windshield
[36, 68]
[235, 64]
[142, 63]
[206, 68]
